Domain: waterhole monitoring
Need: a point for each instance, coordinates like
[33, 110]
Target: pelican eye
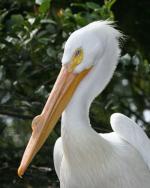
[76, 59]
[78, 51]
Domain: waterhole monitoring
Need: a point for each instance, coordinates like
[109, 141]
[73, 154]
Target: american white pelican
[83, 158]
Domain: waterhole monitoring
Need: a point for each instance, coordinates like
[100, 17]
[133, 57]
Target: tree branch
[16, 115]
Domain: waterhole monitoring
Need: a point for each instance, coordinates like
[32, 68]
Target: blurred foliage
[32, 38]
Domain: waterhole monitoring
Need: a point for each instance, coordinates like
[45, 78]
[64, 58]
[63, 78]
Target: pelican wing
[58, 155]
[132, 133]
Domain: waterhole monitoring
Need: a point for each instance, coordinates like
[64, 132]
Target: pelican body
[82, 157]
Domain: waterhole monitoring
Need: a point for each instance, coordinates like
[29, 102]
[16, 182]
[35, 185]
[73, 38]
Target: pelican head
[89, 54]
[89, 44]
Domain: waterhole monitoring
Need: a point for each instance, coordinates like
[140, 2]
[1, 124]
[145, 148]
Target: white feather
[133, 134]
[82, 157]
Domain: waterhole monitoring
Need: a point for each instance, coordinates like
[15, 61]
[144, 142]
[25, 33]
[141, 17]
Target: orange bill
[43, 124]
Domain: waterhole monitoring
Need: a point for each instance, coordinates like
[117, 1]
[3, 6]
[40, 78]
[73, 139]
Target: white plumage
[82, 157]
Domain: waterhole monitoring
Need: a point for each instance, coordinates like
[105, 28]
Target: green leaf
[78, 5]
[51, 52]
[44, 6]
[41, 91]
[92, 5]
[17, 19]
[2, 72]
[6, 98]
[109, 3]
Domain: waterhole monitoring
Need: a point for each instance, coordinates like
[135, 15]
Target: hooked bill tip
[20, 172]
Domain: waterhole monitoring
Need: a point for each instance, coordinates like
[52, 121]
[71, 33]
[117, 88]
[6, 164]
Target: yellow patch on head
[76, 59]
